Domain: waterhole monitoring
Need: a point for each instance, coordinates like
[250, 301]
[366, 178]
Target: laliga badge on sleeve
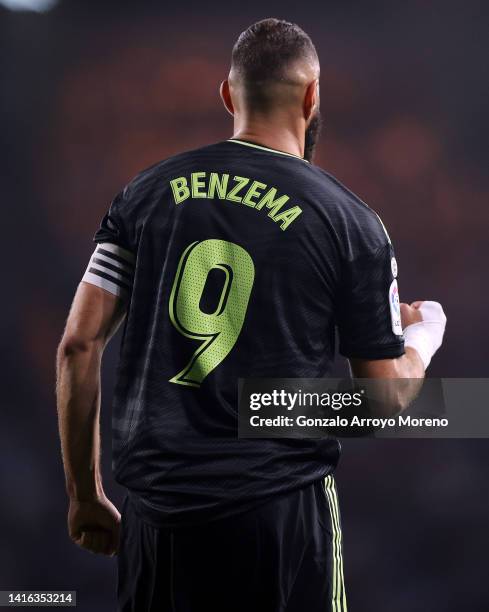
[395, 308]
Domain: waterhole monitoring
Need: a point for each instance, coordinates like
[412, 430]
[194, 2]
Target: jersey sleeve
[111, 265]
[368, 313]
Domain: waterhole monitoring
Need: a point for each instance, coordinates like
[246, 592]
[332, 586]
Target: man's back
[244, 260]
[235, 260]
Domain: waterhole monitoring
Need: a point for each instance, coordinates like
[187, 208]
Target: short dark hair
[264, 50]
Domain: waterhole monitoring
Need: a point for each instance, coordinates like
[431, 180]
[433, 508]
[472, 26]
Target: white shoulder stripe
[383, 227]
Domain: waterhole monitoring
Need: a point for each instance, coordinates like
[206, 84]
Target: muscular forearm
[409, 379]
[78, 401]
[395, 384]
[411, 365]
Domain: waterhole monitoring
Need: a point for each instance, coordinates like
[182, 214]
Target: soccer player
[237, 259]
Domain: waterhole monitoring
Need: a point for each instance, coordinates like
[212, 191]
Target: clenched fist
[94, 525]
[423, 326]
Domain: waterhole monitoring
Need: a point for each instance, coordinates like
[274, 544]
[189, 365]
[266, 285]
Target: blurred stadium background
[92, 92]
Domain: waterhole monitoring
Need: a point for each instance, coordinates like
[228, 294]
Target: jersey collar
[246, 143]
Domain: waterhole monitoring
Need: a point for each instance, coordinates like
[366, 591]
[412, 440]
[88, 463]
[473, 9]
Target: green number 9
[217, 331]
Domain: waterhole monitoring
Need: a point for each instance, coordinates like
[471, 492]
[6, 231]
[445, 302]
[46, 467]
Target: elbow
[409, 380]
[391, 396]
[406, 392]
[72, 345]
[388, 404]
[400, 403]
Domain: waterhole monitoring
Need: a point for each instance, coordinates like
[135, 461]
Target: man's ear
[225, 92]
[311, 99]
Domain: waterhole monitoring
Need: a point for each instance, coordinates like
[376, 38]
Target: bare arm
[405, 373]
[94, 317]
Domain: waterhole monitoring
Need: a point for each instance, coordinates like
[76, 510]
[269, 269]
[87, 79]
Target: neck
[271, 134]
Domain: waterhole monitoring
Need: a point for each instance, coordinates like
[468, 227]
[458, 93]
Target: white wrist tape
[427, 335]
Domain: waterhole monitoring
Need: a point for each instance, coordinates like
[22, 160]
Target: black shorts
[282, 556]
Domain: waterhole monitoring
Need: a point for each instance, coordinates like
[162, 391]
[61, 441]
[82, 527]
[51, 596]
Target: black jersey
[236, 260]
